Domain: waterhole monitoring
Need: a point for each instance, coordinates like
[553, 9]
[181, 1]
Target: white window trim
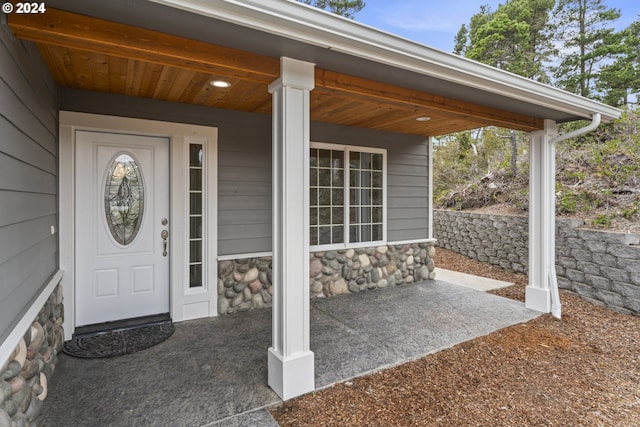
[346, 149]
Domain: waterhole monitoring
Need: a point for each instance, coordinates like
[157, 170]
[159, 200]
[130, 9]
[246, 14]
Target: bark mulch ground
[581, 371]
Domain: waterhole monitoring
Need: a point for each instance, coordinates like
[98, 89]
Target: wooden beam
[372, 91]
[75, 31]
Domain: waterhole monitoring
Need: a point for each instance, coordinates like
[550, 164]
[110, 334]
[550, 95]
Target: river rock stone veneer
[24, 378]
[246, 283]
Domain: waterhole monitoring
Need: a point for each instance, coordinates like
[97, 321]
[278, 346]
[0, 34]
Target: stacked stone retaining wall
[24, 378]
[246, 283]
[602, 267]
[497, 239]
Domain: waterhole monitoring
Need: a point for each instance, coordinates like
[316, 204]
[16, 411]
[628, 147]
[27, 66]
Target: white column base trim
[538, 299]
[293, 376]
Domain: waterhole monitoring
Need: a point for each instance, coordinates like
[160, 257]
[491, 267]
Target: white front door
[122, 226]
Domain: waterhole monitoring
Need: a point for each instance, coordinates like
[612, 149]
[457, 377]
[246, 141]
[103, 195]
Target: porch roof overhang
[172, 49]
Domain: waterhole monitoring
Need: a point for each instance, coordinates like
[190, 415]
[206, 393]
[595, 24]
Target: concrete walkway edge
[478, 283]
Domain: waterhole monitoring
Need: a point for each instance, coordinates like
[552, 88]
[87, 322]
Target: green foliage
[461, 40]
[579, 176]
[620, 79]
[598, 174]
[602, 220]
[516, 37]
[588, 41]
[346, 8]
[602, 171]
[567, 202]
[629, 212]
[476, 164]
[571, 44]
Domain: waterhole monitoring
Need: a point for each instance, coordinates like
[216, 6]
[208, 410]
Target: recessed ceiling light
[423, 119]
[220, 83]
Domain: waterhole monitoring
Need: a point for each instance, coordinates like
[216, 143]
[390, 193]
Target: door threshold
[121, 325]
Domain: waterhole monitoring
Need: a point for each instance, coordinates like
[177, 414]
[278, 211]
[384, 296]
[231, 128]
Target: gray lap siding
[28, 178]
[244, 166]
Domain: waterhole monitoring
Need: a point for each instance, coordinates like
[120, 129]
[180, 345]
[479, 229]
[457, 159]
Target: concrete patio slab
[213, 372]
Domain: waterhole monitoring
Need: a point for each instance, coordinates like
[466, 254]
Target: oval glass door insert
[124, 199]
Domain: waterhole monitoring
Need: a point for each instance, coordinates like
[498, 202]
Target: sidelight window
[196, 210]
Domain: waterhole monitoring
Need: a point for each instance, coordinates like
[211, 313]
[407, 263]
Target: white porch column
[541, 220]
[290, 361]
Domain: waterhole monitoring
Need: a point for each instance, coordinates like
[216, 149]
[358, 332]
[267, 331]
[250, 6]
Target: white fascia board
[300, 22]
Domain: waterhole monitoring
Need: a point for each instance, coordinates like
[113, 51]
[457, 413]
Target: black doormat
[117, 342]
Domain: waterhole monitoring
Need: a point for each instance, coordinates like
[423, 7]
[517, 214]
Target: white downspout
[556, 307]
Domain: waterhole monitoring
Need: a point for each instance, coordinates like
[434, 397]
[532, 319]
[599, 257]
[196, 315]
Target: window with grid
[347, 194]
[196, 204]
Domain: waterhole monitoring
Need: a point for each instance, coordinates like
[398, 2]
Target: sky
[436, 22]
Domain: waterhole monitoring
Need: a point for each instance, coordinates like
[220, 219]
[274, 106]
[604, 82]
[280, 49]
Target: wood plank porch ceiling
[92, 54]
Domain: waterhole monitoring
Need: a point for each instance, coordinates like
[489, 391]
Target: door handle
[164, 234]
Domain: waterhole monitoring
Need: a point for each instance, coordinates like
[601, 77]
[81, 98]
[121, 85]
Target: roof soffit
[95, 43]
[472, 80]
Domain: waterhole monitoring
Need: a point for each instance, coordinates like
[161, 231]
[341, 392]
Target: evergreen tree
[621, 79]
[515, 37]
[588, 40]
[346, 8]
[461, 41]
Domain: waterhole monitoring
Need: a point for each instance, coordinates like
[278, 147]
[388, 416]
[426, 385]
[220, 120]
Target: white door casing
[184, 303]
[121, 279]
